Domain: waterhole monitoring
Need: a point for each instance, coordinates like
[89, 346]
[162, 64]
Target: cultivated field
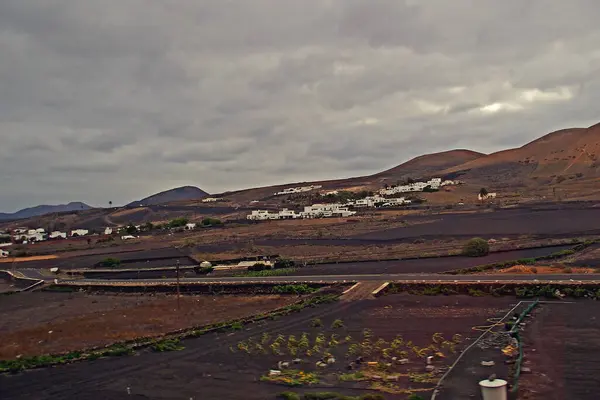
[230, 365]
[78, 321]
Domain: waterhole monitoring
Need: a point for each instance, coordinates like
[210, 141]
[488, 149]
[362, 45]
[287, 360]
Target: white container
[493, 390]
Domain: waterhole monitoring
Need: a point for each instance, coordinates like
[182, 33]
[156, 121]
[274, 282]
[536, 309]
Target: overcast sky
[118, 99]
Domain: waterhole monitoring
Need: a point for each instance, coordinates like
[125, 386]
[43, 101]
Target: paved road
[589, 278]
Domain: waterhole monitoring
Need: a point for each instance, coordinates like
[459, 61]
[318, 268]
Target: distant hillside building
[79, 232]
[58, 235]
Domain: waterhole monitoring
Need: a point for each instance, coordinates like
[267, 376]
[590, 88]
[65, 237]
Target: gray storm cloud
[112, 99]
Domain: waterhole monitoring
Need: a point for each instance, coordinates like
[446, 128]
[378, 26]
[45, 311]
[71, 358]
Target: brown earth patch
[78, 321]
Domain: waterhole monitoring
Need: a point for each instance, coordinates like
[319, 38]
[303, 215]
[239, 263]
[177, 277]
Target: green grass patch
[167, 345]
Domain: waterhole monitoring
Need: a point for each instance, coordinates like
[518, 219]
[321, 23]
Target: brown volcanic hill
[566, 152]
[425, 165]
[177, 194]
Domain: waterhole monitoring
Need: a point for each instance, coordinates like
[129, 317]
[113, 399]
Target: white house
[19, 231]
[298, 190]
[434, 183]
[127, 237]
[211, 199]
[331, 192]
[58, 235]
[288, 214]
[326, 210]
[190, 226]
[79, 232]
[108, 231]
[487, 196]
[30, 235]
[261, 215]
[399, 201]
[4, 253]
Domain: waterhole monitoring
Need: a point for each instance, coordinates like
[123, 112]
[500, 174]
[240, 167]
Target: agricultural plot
[355, 348]
[42, 322]
[425, 265]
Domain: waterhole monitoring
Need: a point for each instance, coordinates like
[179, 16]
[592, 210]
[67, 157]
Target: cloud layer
[117, 99]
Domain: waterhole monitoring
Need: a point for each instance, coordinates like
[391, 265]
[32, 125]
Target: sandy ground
[78, 320]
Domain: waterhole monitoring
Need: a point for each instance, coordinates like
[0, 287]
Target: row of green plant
[479, 290]
[328, 396]
[280, 263]
[267, 272]
[23, 363]
[300, 288]
[322, 344]
[158, 345]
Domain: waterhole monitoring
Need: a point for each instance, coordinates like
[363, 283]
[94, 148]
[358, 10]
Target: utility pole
[178, 291]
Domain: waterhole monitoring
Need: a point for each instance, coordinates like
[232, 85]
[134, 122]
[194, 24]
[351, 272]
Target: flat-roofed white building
[57, 235]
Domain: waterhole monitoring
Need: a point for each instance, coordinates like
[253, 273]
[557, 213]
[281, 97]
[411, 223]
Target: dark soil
[524, 221]
[561, 348]
[208, 369]
[425, 265]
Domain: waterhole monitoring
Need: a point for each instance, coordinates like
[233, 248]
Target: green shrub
[211, 222]
[294, 289]
[167, 345]
[237, 326]
[283, 263]
[288, 396]
[110, 262]
[338, 323]
[259, 267]
[178, 222]
[206, 270]
[316, 323]
[476, 247]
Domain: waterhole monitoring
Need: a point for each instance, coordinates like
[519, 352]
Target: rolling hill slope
[567, 152]
[177, 194]
[44, 209]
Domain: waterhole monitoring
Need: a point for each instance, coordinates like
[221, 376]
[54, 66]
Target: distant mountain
[177, 194]
[44, 209]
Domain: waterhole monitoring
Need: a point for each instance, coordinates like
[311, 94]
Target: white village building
[29, 235]
[190, 226]
[211, 199]
[108, 231]
[299, 189]
[57, 235]
[434, 183]
[4, 253]
[326, 210]
[79, 232]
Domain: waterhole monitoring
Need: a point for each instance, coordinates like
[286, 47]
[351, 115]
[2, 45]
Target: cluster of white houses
[314, 211]
[299, 189]
[434, 183]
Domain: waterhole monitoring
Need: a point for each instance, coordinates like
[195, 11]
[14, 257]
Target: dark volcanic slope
[177, 194]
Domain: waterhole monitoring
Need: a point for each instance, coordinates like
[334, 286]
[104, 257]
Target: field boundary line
[351, 288]
[380, 289]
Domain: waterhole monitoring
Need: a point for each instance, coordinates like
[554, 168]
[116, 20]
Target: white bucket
[493, 389]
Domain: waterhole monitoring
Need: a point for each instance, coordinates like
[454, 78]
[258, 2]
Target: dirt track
[207, 369]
